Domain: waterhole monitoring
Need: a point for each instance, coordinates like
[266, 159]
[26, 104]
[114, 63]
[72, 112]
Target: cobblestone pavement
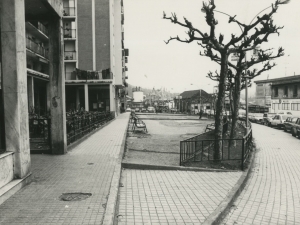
[87, 168]
[171, 197]
[272, 193]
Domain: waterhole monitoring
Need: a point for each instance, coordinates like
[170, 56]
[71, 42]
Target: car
[267, 117]
[256, 118]
[288, 124]
[278, 120]
[137, 109]
[128, 110]
[144, 110]
[296, 128]
[151, 109]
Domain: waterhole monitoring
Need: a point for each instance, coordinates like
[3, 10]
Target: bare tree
[251, 36]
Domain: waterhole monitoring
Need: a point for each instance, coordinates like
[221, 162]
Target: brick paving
[272, 193]
[171, 197]
[87, 168]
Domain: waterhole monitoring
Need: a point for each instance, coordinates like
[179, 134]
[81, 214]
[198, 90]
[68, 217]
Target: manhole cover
[74, 196]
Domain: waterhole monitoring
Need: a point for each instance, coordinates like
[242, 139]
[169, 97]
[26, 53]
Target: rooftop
[281, 80]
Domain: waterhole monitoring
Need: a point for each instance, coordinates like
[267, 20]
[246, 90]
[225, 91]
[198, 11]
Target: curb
[179, 168]
[218, 215]
[76, 143]
[109, 214]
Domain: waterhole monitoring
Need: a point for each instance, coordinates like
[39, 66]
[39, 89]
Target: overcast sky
[178, 66]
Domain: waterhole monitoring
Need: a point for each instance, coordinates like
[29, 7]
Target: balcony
[69, 11]
[70, 55]
[70, 33]
[37, 48]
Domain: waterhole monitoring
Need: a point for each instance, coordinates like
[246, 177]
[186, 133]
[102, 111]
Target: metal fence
[69, 11]
[40, 134]
[70, 55]
[199, 148]
[69, 33]
[37, 48]
[79, 126]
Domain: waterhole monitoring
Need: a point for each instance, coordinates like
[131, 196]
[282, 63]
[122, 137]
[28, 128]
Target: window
[295, 91]
[295, 106]
[276, 91]
[286, 91]
[275, 106]
[285, 106]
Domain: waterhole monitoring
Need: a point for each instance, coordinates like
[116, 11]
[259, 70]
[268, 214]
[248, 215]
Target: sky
[178, 66]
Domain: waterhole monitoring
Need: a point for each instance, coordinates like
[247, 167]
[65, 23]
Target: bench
[138, 124]
[210, 127]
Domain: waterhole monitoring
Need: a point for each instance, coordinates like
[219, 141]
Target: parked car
[137, 109]
[144, 110]
[267, 117]
[288, 124]
[128, 110]
[278, 120]
[151, 109]
[296, 128]
[257, 118]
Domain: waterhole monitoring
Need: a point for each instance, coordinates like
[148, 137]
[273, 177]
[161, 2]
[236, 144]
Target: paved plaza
[88, 168]
[272, 194]
[172, 197]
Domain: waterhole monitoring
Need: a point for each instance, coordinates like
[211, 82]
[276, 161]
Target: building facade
[32, 81]
[279, 94]
[94, 54]
[193, 101]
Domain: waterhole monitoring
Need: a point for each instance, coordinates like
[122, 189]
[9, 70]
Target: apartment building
[94, 54]
[32, 80]
[279, 94]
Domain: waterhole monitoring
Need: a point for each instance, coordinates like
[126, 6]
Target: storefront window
[295, 91]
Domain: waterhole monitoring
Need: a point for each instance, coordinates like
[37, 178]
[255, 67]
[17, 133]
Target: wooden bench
[138, 124]
[210, 127]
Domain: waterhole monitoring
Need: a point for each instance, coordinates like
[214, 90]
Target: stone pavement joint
[88, 168]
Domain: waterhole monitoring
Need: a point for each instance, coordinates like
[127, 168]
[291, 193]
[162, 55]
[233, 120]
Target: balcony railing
[69, 11]
[70, 55]
[69, 33]
[37, 48]
[42, 28]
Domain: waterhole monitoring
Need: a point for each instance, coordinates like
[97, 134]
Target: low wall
[6, 168]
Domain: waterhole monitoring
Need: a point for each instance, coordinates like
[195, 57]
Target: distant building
[279, 94]
[193, 101]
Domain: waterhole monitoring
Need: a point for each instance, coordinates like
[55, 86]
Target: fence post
[195, 151]
[49, 134]
[180, 153]
[243, 149]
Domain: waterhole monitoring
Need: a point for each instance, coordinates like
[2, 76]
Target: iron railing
[37, 48]
[79, 126]
[40, 134]
[69, 11]
[70, 55]
[69, 33]
[199, 148]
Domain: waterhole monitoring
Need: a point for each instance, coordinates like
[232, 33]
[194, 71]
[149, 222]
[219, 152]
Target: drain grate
[74, 196]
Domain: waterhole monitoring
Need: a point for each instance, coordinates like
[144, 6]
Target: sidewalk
[88, 168]
[272, 193]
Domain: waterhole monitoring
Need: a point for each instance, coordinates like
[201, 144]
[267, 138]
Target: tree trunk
[236, 103]
[220, 107]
